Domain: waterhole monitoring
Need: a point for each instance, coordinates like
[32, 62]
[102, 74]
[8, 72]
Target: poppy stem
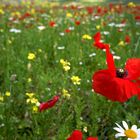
[110, 60]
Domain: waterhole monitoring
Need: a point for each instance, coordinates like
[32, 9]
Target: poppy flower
[77, 22]
[26, 15]
[127, 39]
[89, 10]
[137, 17]
[92, 138]
[77, 135]
[114, 83]
[52, 24]
[67, 30]
[49, 104]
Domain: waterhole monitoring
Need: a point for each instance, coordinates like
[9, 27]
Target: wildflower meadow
[69, 70]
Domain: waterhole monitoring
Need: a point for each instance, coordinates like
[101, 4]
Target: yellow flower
[98, 27]
[69, 15]
[121, 43]
[66, 94]
[1, 11]
[131, 4]
[7, 93]
[86, 36]
[18, 14]
[65, 64]
[76, 80]
[1, 98]
[35, 109]
[33, 11]
[31, 56]
[30, 95]
[34, 100]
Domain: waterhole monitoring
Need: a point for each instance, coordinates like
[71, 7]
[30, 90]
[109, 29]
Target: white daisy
[132, 133]
[41, 27]
[14, 30]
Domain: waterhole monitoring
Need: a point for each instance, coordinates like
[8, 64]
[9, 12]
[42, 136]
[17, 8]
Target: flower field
[69, 71]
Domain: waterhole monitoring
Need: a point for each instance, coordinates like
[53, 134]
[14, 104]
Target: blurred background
[20, 1]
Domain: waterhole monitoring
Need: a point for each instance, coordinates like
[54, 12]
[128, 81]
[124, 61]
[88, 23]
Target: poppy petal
[76, 135]
[133, 68]
[92, 138]
[48, 104]
[113, 88]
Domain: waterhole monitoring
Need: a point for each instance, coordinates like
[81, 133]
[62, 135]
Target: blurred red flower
[49, 104]
[52, 24]
[67, 30]
[26, 15]
[137, 17]
[92, 138]
[89, 10]
[116, 84]
[127, 39]
[77, 135]
[77, 22]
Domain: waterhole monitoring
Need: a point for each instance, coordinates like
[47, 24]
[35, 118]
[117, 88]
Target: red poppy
[77, 135]
[137, 17]
[92, 138]
[49, 104]
[67, 30]
[89, 10]
[99, 10]
[127, 39]
[26, 15]
[52, 23]
[73, 7]
[116, 84]
[77, 22]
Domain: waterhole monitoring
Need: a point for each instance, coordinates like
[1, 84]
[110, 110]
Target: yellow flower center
[130, 134]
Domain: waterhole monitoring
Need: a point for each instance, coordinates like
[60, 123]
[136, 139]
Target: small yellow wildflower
[31, 56]
[1, 98]
[121, 43]
[76, 80]
[32, 11]
[69, 15]
[65, 64]
[18, 14]
[86, 36]
[7, 93]
[131, 4]
[1, 11]
[66, 94]
[35, 109]
[30, 95]
[98, 27]
[34, 100]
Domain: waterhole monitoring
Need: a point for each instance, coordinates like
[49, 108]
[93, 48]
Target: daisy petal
[125, 125]
[119, 135]
[118, 129]
[119, 126]
[134, 127]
